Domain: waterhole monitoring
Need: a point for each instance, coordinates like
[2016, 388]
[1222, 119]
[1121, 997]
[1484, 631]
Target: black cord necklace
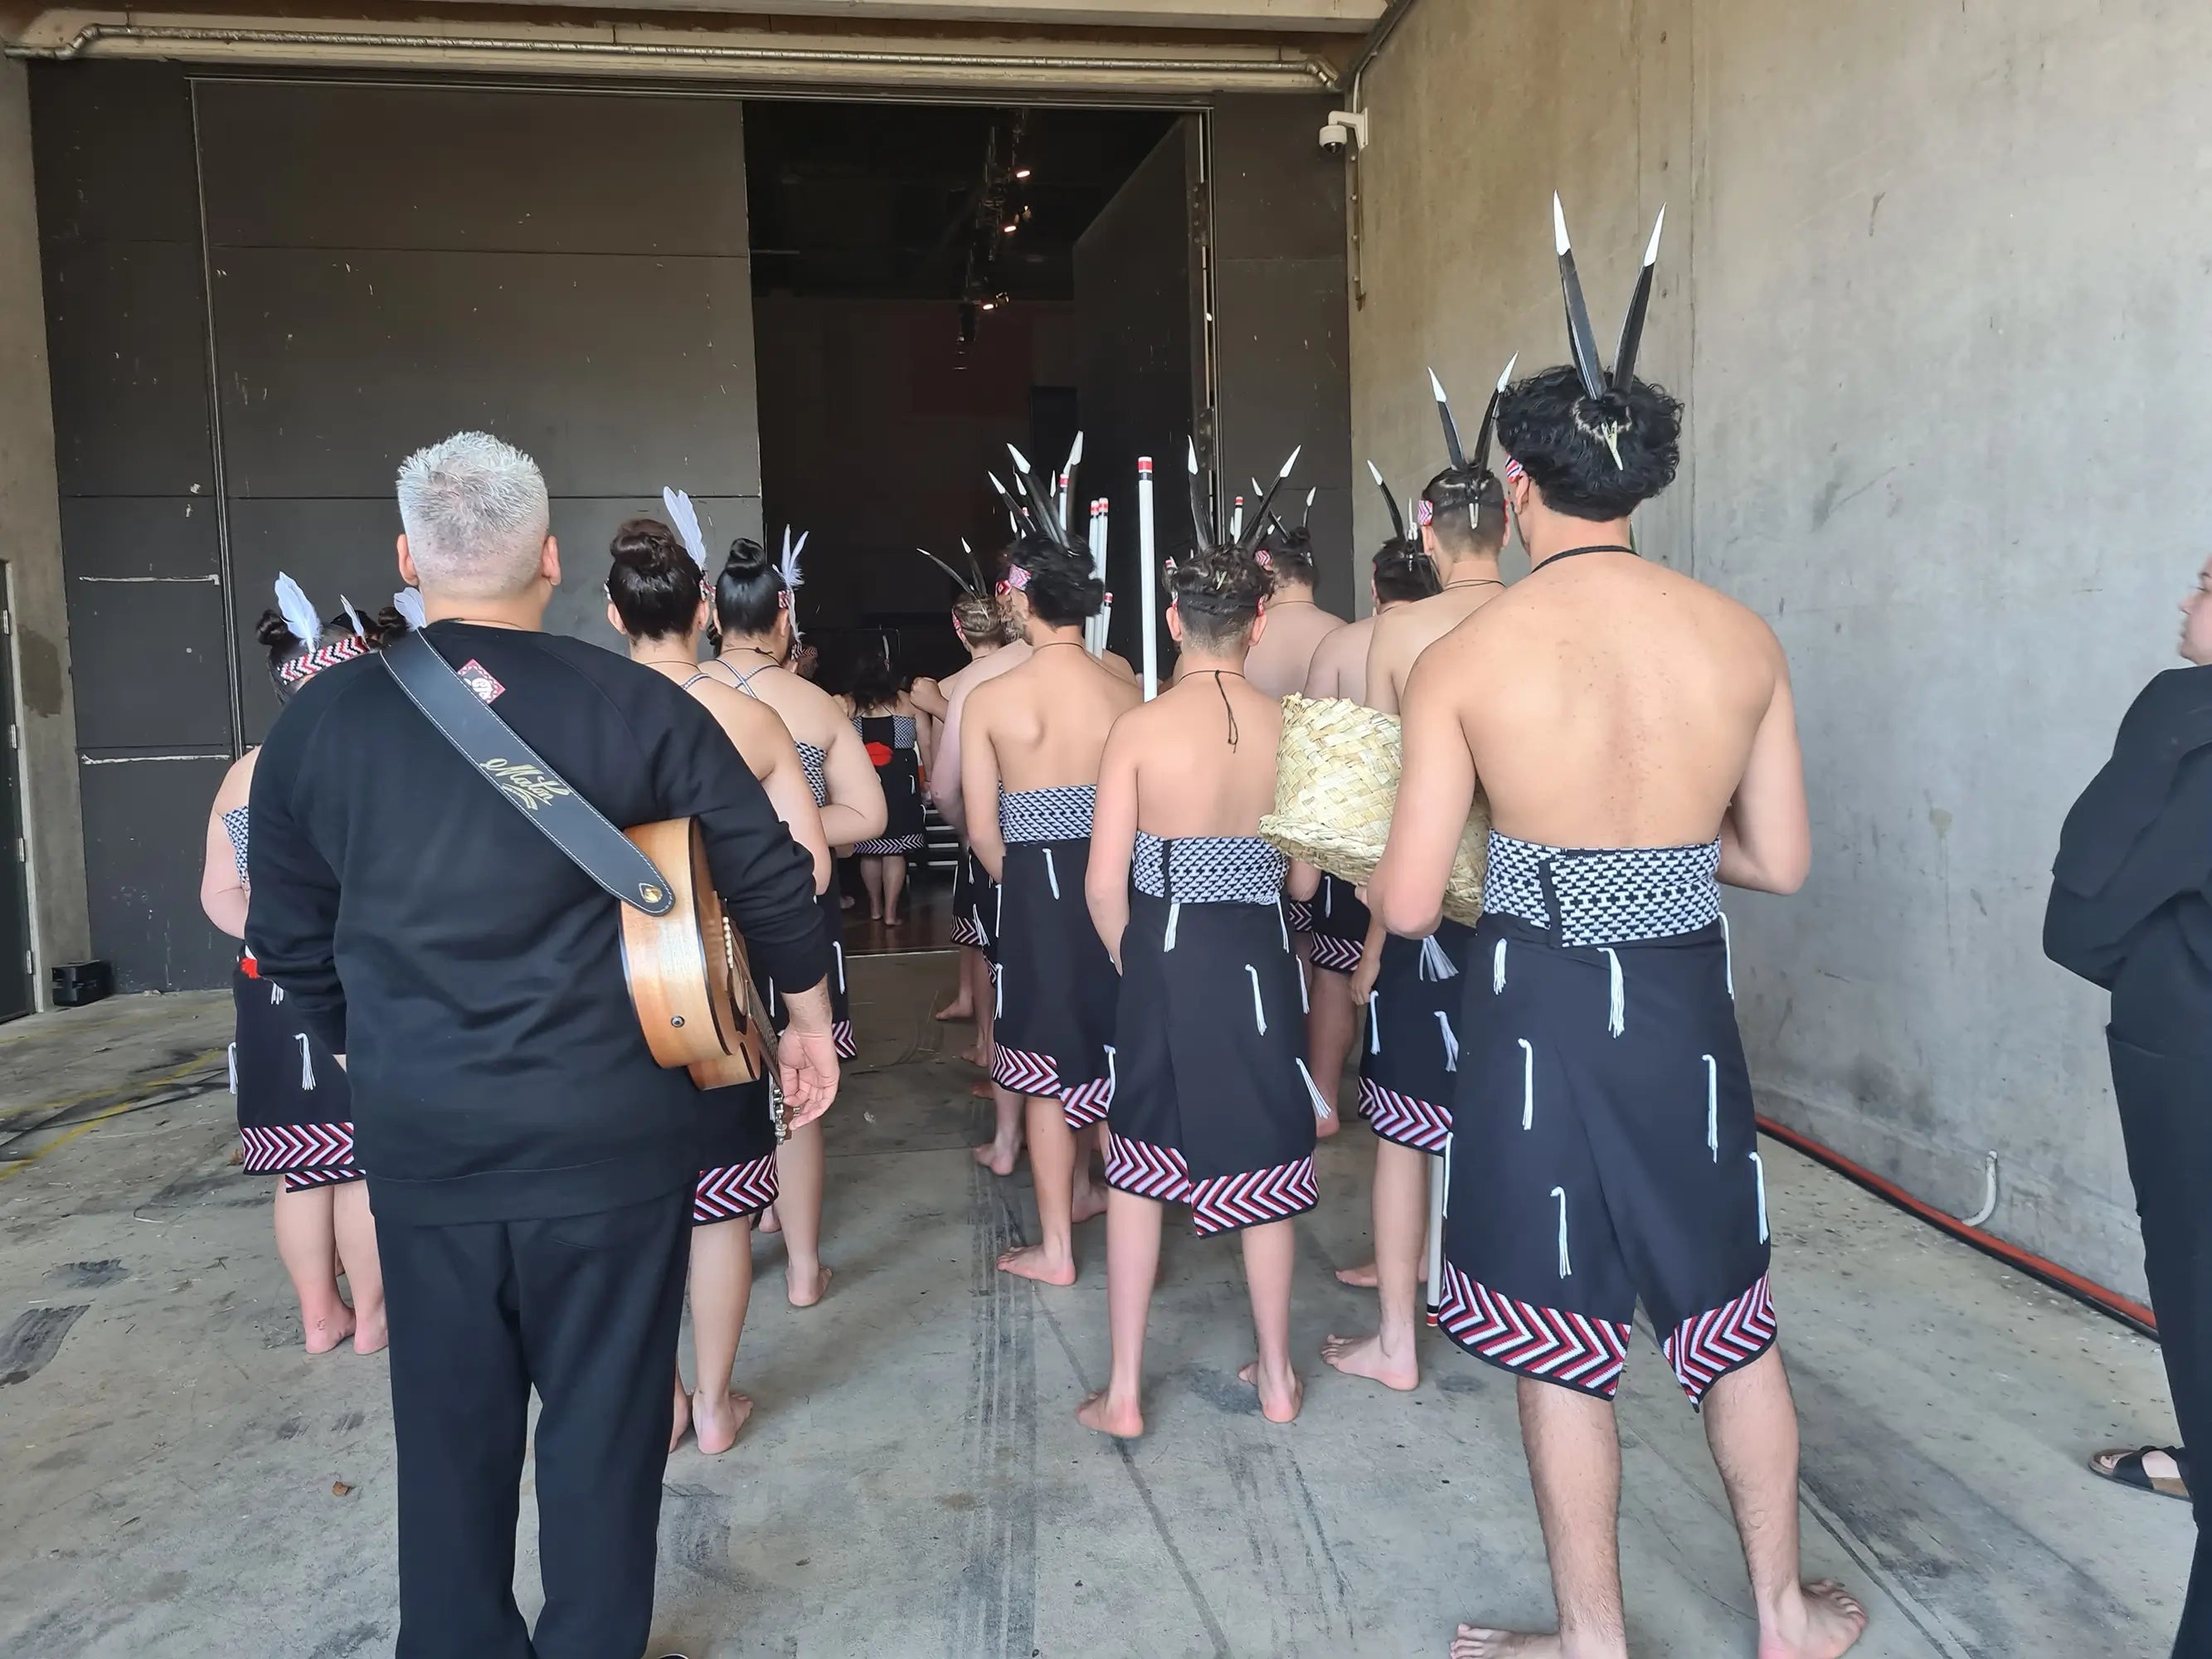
[1226, 708]
[1576, 552]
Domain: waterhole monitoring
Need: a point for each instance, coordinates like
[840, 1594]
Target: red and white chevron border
[1023, 1072]
[734, 1190]
[297, 1146]
[1299, 913]
[1339, 955]
[848, 1044]
[306, 1181]
[1221, 1203]
[1705, 1349]
[966, 932]
[1085, 1104]
[1567, 1348]
[1402, 1119]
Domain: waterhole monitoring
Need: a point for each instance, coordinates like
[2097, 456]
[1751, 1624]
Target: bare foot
[953, 1012]
[1363, 1277]
[1825, 1624]
[1362, 1356]
[680, 1424]
[982, 1089]
[769, 1221]
[1326, 1127]
[718, 1420]
[1031, 1261]
[1280, 1398]
[371, 1336]
[803, 1291]
[1102, 1412]
[998, 1160]
[327, 1331]
[1090, 1200]
[1472, 1643]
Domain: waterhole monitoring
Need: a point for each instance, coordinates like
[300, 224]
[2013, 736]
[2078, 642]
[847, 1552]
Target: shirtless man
[1211, 1105]
[1609, 703]
[1030, 743]
[1004, 1149]
[1283, 656]
[1327, 909]
[1406, 1074]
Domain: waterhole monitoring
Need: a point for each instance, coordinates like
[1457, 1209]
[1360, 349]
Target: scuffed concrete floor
[914, 1483]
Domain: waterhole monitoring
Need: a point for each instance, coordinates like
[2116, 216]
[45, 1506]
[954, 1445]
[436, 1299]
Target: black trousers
[2165, 1118]
[585, 1309]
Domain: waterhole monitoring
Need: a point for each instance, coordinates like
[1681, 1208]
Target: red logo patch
[478, 679]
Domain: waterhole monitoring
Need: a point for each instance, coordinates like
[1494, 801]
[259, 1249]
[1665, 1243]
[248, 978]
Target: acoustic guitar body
[687, 972]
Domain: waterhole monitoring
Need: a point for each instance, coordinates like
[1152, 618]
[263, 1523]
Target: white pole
[1147, 577]
[1437, 1197]
[1106, 610]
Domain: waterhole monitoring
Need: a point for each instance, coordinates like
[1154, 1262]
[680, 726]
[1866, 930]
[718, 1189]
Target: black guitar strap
[534, 788]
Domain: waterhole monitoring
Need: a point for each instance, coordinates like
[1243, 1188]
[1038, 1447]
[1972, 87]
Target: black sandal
[2126, 1469]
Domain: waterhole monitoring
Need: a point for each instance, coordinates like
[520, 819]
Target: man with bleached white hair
[530, 1167]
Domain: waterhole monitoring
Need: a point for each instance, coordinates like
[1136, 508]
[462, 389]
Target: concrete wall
[1933, 285]
[30, 540]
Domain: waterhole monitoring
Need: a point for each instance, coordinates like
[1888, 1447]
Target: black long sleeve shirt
[470, 974]
[2131, 905]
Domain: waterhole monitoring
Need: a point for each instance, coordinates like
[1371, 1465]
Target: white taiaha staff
[1145, 577]
[1436, 1199]
[1098, 527]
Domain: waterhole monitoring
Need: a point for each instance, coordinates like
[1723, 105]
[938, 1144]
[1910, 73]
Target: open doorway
[931, 283]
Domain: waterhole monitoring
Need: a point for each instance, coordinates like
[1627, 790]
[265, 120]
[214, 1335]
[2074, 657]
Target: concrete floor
[914, 1483]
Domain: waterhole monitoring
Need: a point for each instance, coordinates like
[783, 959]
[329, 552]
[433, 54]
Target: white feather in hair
[360, 627]
[299, 615]
[685, 519]
[409, 604]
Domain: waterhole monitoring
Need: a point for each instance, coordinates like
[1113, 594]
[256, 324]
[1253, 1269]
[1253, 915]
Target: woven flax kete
[1336, 784]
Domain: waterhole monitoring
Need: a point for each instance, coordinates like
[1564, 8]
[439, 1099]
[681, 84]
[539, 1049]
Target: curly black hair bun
[1592, 458]
[1062, 588]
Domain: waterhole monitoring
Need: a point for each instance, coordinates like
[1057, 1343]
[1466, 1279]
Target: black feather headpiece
[1598, 384]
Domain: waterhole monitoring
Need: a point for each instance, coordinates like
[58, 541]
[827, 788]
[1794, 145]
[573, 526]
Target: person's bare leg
[721, 1286]
[1332, 1023]
[1089, 1195]
[355, 1229]
[1574, 1463]
[1401, 1230]
[963, 1006]
[1132, 1263]
[801, 1166]
[679, 1416]
[1270, 1258]
[1751, 1424]
[1051, 1260]
[872, 877]
[894, 886]
[1003, 1150]
[979, 993]
[308, 1248]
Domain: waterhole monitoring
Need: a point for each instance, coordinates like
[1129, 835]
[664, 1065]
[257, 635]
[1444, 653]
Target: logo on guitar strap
[522, 783]
[478, 679]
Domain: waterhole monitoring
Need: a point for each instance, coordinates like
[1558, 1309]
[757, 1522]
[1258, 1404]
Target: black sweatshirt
[469, 972]
[2131, 903]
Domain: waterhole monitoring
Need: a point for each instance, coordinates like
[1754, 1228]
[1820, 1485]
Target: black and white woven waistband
[1614, 895]
[1209, 869]
[817, 778]
[1058, 814]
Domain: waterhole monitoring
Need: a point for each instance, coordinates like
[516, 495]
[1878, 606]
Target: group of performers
[1166, 1004]
[1168, 1007]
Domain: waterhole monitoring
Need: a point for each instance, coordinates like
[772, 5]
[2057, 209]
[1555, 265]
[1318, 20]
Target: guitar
[686, 968]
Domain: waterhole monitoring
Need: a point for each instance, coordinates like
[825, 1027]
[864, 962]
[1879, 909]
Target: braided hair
[1403, 571]
[1059, 582]
[1218, 592]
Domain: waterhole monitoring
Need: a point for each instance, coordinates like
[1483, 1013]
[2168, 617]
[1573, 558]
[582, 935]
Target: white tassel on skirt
[1259, 1008]
[1758, 1168]
[1528, 1084]
[1052, 873]
[1713, 1107]
[1616, 1013]
[1567, 1267]
[1435, 962]
[1498, 969]
[306, 1062]
[1314, 1093]
[1451, 1042]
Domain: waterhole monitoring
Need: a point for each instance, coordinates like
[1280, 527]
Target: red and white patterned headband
[296, 672]
[1017, 580]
